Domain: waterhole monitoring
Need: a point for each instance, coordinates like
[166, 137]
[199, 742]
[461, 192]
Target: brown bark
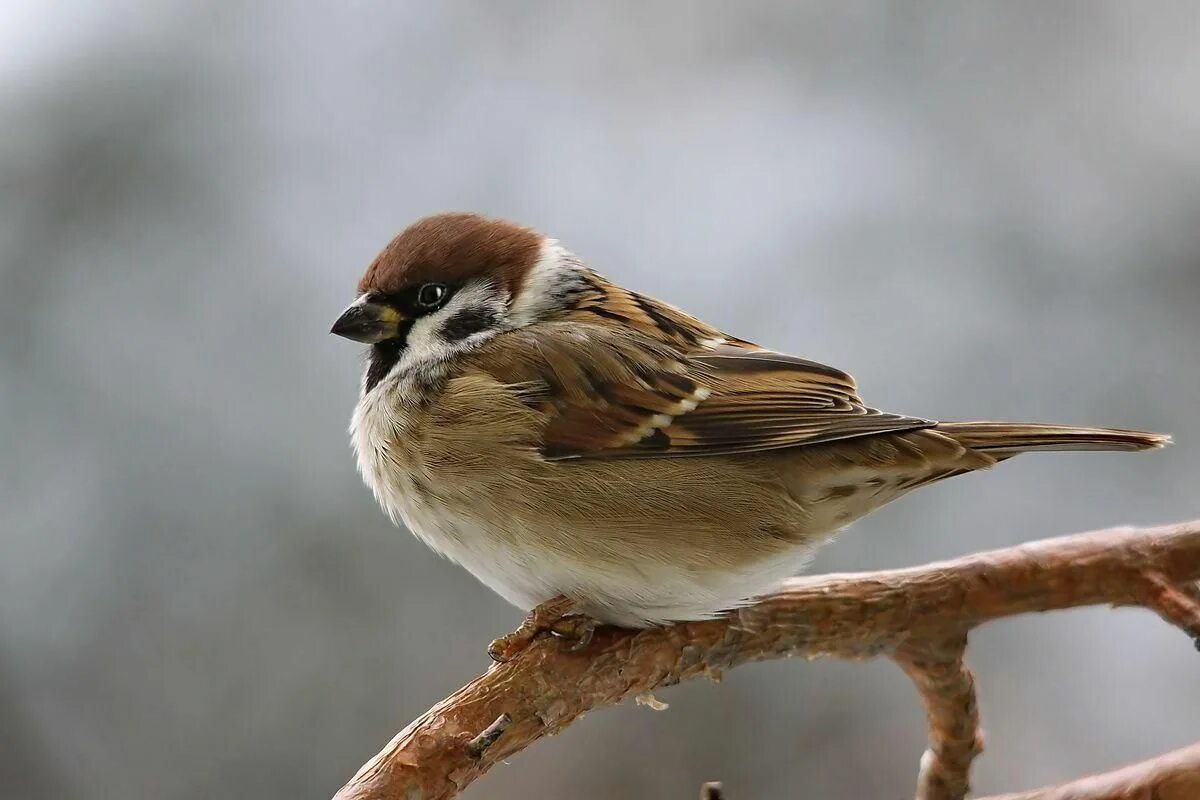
[920, 617]
[1174, 776]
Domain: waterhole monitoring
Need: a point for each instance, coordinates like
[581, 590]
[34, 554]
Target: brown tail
[1004, 439]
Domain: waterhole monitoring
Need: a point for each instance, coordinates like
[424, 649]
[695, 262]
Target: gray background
[984, 210]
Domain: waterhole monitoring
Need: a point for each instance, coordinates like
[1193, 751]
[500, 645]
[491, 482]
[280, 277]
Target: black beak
[368, 323]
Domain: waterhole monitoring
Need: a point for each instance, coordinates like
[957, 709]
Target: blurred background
[983, 211]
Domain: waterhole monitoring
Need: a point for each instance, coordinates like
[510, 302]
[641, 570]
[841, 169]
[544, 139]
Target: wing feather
[664, 385]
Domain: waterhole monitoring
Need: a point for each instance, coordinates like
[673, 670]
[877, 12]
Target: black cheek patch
[467, 322]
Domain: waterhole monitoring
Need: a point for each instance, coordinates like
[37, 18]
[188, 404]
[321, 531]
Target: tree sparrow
[565, 438]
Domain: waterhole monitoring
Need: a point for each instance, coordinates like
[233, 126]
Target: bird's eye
[431, 295]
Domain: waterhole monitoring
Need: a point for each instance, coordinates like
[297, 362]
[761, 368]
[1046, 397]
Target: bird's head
[450, 282]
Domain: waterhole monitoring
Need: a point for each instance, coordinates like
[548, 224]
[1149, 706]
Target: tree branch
[1174, 776]
[948, 691]
[918, 616]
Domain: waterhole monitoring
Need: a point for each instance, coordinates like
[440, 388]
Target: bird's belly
[636, 590]
[520, 577]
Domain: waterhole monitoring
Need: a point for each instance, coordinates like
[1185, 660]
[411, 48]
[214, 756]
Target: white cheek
[556, 267]
[424, 342]
[427, 343]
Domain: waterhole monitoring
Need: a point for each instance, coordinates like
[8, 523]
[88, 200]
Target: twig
[948, 691]
[1178, 605]
[1173, 776]
[479, 745]
[544, 689]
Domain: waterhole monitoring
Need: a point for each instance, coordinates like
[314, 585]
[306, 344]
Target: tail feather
[1003, 439]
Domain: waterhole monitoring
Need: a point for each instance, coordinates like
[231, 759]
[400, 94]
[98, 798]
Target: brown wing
[620, 392]
[762, 400]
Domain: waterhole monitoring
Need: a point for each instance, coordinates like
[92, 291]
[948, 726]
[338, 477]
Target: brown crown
[453, 248]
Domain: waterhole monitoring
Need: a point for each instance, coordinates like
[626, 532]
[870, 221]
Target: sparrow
[595, 454]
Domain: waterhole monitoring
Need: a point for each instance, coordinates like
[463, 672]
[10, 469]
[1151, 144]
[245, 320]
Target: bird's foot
[558, 617]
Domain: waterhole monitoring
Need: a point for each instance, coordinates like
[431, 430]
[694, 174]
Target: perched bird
[566, 439]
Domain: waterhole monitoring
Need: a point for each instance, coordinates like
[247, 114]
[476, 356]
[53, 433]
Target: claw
[575, 630]
[506, 648]
[557, 617]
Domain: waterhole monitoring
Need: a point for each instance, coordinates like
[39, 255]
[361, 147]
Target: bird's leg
[559, 617]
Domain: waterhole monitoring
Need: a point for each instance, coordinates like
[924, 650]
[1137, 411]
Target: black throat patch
[382, 358]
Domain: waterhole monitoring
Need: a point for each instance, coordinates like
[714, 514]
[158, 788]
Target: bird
[599, 457]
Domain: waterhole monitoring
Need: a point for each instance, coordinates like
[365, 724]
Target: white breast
[395, 473]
